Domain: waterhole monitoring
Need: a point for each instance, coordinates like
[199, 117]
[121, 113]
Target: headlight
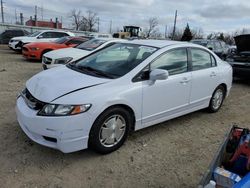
[34, 49]
[64, 60]
[63, 110]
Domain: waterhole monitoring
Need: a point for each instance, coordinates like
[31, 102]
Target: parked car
[240, 58]
[35, 50]
[17, 43]
[64, 56]
[219, 47]
[95, 102]
[7, 34]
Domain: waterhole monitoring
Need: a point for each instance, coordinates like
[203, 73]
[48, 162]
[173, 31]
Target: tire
[217, 99]
[110, 130]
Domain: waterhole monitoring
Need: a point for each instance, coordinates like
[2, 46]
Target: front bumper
[66, 133]
[14, 46]
[31, 55]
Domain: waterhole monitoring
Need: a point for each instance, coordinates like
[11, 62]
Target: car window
[200, 59]
[47, 35]
[91, 44]
[217, 45]
[18, 32]
[76, 41]
[59, 35]
[35, 34]
[174, 61]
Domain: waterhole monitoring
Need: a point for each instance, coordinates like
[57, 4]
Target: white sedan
[63, 56]
[96, 101]
[16, 43]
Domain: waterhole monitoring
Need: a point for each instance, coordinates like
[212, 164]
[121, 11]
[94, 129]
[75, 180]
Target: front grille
[47, 60]
[50, 139]
[31, 101]
[19, 44]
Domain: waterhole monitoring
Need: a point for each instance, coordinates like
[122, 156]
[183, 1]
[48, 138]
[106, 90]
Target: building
[50, 24]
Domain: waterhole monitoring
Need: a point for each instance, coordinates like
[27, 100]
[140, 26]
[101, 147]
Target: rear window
[91, 44]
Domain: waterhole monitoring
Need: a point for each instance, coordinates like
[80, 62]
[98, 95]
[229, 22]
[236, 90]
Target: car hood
[44, 44]
[54, 83]
[75, 53]
[242, 43]
[25, 39]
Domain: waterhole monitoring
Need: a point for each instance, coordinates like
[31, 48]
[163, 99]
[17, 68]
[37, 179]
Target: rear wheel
[217, 99]
[110, 130]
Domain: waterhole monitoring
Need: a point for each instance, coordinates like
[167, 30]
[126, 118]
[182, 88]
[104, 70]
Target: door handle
[184, 80]
[212, 74]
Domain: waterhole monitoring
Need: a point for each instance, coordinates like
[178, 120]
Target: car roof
[155, 43]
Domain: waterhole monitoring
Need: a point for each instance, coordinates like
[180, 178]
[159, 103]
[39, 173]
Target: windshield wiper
[95, 71]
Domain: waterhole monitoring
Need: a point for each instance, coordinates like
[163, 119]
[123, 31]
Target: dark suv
[219, 47]
[240, 58]
[6, 35]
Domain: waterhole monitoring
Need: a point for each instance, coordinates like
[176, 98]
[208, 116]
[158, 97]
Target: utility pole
[15, 16]
[21, 18]
[175, 18]
[35, 15]
[42, 12]
[2, 11]
[166, 30]
[110, 29]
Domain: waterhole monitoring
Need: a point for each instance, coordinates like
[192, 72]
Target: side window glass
[175, 62]
[200, 59]
[59, 35]
[46, 35]
[217, 46]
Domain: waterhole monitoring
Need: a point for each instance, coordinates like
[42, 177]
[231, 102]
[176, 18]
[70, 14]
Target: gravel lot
[172, 154]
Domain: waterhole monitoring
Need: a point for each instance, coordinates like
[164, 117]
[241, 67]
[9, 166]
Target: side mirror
[210, 48]
[158, 74]
[40, 37]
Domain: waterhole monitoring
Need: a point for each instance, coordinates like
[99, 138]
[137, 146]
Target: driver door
[165, 99]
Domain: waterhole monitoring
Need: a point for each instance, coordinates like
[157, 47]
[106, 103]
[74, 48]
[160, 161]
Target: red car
[35, 50]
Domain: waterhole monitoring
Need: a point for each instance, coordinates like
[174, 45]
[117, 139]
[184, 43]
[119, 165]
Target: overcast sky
[210, 15]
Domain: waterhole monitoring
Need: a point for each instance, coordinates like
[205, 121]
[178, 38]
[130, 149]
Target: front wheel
[110, 130]
[217, 99]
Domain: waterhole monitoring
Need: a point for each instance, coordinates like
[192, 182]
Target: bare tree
[76, 17]
[89, 21]
[153, 23]
[198, 33]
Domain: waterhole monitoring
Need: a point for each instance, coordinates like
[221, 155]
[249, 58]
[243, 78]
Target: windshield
[61, 40]
[91, 44]
[113, 61]
[35, 34]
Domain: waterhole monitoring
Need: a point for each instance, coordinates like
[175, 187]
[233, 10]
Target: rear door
[205, 76]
